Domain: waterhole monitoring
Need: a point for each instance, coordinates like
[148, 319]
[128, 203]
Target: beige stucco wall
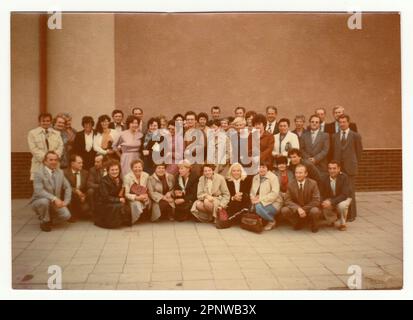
[24, 78]
[173, 62]
[81, 69]
[176, 62]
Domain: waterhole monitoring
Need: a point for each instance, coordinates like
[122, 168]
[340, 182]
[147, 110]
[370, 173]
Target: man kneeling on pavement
[49, 184]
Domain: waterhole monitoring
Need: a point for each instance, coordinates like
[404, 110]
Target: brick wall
[21, 186]
[380, 170]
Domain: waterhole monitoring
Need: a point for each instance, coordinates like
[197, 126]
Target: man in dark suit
[335, 195]
[96, 173]
[117, 123]
[271, 125]
[315, 144]
[347, 151]
[334, 127]
[296, 158]
[83, 143]
[49, 185]
[302, 201]
[77, 177]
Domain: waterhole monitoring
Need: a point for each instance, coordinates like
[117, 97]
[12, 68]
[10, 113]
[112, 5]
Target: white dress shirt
[237, 184]
[77, 175]
[89, 141]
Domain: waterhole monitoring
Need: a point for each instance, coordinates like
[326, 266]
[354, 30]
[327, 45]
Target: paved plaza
[196, 256]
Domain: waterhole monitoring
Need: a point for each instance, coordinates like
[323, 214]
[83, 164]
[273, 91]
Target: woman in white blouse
[105, 137]
[285, 140]
[136, 191]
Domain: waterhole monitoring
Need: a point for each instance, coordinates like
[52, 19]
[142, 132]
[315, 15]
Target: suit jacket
[290, 141]
[274, 129]
[313, 172]
[72, 179]
[43, 186]
[38, 148]
[190, 190]
[318, 150]
[342, 189]
[79, 147]
[311, 195]
[330, 128]
[94, 178]
[268, 190]
[348, 155]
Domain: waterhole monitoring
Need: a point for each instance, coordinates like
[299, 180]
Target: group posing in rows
[107, 173]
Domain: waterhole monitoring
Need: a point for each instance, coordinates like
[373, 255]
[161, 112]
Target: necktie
[46, 132]
[300, 194]
[313, 137]
[343, 138]
[77, 179]
[269, 128]
[54, 181]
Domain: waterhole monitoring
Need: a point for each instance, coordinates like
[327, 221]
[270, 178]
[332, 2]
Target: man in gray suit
[315, 144]
[347, 151]
[49, 184]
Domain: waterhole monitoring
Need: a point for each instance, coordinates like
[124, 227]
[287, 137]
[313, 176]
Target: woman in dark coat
[112, 210]
[239, 186]
[185, 191]
[151, 143]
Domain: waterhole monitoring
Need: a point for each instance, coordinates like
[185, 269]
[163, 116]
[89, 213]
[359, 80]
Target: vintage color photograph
[206, 151]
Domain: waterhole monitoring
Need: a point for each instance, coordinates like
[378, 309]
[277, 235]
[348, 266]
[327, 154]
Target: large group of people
[111, 172]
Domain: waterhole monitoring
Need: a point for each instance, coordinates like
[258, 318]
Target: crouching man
[49, 184]
[335, 195]
[302, 201]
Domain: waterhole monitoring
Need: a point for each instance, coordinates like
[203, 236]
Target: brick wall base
[380, 170]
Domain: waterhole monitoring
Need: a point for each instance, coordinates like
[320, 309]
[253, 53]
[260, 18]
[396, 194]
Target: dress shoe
[45, 226]
[342, 227]
[314, 226]
[270, 225]
[298, 226]
[72, 219]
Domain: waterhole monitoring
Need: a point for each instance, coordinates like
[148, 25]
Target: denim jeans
[265, 212]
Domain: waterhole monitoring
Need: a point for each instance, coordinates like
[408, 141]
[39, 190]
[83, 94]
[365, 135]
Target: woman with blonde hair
[239, 186]
[212, 194]
[136, 189]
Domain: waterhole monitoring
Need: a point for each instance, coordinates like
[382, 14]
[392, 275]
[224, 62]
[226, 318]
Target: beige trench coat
[220, 193]
[269, 192]
[155, 193]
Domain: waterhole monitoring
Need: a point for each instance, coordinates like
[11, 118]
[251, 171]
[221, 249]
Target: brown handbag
[222, 221]
[138, 189]
[252, 222]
